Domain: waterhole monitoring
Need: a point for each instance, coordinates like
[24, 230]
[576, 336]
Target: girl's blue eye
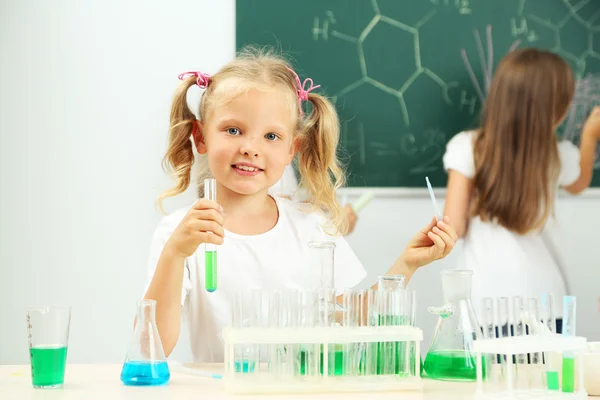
[233, 131]
[271, 136]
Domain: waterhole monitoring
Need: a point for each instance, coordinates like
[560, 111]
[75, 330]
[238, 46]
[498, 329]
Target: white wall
[85, 95]
[85, 90]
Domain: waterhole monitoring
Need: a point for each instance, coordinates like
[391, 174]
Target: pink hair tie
[202, 79]
[302, 92]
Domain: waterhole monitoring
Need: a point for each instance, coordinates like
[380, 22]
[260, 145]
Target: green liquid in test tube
[210, 268]
[210, 250]
[549, 327]
[569, 323]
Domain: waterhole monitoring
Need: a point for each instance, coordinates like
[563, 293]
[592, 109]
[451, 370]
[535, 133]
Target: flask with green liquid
[450, 356]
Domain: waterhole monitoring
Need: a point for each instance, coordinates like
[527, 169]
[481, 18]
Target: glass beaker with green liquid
[451, 355]
[48, 335]
[399, 308]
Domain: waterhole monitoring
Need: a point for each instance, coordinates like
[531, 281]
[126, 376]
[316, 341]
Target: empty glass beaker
[321, 259]
[451, 356]
[145, 364]
[391, 282]
[322, 264]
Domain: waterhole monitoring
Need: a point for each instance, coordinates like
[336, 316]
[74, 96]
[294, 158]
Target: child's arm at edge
[458, 199]
[587, 149]
[165, 288]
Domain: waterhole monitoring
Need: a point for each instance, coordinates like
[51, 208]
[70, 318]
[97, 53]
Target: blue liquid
[244, 366]
[137, 373]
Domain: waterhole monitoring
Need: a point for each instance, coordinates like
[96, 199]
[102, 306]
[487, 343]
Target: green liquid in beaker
[48, 365]
[453, 366]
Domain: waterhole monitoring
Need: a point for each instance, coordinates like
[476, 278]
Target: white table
[102, 382]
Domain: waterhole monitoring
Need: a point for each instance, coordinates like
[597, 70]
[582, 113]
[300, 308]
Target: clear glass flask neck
[146, 313]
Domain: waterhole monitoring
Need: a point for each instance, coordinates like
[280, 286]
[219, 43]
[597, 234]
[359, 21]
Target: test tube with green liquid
[549, 327]
[210, 250]
[568, 330]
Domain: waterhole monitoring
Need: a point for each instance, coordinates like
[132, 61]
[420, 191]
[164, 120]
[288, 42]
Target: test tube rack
[514, 380]
[265, 377]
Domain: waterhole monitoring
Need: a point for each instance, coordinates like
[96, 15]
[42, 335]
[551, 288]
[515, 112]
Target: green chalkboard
[398, 71]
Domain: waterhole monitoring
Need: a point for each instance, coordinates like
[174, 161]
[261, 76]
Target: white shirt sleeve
[569, 163]
[162, 233]
[459, 155]
[348, 270]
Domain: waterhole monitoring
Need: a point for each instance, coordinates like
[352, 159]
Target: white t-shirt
[287, 186]
[275, 259]
[506, 263]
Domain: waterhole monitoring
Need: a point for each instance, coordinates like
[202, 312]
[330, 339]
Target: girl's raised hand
[433, 242]
[203, 223]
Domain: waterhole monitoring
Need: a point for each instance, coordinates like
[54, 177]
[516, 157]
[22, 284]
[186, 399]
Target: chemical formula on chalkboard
[405, 77]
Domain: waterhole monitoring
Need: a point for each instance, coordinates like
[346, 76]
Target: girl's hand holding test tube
[431, 243]
[202, 224]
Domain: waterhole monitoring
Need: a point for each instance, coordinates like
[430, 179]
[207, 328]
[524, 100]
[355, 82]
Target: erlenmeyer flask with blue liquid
[145, 364]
